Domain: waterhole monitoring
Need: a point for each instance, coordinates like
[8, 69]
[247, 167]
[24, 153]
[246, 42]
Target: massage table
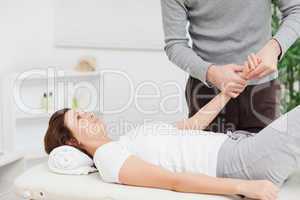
[38, 183]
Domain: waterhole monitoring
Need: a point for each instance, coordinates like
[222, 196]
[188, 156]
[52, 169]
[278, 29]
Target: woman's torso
[176, 150]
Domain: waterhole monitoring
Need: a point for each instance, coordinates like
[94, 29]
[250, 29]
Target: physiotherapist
[224, 33]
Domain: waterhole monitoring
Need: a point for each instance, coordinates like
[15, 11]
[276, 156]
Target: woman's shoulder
[109, 159]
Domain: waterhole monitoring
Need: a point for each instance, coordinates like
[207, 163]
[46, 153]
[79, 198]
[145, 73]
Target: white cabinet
[28, 118]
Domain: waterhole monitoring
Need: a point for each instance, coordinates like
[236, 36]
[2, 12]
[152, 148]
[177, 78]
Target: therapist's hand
[227, 78]
[269, 56]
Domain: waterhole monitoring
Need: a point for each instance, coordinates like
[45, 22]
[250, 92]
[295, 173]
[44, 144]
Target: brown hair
[57, 133]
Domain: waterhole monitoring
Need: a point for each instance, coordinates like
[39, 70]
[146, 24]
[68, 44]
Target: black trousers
[252, 111]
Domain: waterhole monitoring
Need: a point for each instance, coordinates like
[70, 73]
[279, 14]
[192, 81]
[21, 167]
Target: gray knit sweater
[224, 31]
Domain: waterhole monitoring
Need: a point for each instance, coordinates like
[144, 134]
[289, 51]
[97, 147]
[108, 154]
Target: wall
[27, 41]
[128, 20]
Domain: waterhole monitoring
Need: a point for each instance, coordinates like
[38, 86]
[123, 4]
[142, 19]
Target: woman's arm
[209, 112]
[137, 172]
[206, 114]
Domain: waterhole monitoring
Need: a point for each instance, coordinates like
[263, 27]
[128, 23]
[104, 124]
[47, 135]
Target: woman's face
[85, 127]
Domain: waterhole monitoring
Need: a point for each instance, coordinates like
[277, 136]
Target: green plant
[289, 68]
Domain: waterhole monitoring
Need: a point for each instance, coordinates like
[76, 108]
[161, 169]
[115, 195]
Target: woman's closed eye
[92, 116]
[78, 115]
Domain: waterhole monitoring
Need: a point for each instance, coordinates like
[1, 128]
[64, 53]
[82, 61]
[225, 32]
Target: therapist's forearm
[206, 114]
[289, 30]
[178, 50]
[185, 58]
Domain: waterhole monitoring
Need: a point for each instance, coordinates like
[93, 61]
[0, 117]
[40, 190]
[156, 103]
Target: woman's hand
[262, 190]
[251, 64]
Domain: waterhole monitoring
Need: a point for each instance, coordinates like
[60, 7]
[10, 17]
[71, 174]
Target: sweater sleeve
[289, 30]
[175, 21]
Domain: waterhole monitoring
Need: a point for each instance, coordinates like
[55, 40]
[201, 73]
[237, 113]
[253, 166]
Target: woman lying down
[184, 158]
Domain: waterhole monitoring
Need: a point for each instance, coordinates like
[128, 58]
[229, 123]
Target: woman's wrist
[242, 187]
[239, 190]
[224, 96]
[235, 186]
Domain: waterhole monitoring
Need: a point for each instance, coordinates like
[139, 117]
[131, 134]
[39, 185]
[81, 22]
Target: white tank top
[163, 145]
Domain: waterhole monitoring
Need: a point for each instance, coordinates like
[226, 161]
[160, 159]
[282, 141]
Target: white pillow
[71, 161]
